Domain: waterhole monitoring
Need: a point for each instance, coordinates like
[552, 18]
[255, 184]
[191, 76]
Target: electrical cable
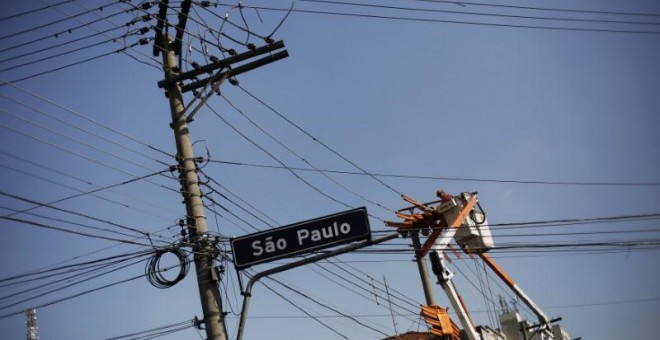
[278, 160]
[497, 15]
[65, 269]
[135, 32]
[106, 165]
[57, 34]
[12, 16]
[364, 289]
[53, 182]
[230, 212]
[61, 173]
[327, 307]
[75, 140]
[240, 199]
[156, 331]
[541, 8]
[21, 311]
[58, 289]
[213, 190]
[85, 193]
[123, 204]
[435, 178]
[459, 22]
[286, 16]
[86, 118]
[55, 22]
[144, 18]
[304, 311]
[293, 152]
[27, 54]
[326, 146]
[142, 41]
[45, 226]
[154, 272]
[50, 206]
[60, 284]
[396, 294]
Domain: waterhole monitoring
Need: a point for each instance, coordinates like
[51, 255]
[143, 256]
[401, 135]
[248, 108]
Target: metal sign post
[247, 294]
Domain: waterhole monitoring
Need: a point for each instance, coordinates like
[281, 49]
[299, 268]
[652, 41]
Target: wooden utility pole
[209, 292]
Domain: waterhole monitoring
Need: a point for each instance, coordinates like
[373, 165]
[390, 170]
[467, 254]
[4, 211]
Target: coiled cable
[154, 272]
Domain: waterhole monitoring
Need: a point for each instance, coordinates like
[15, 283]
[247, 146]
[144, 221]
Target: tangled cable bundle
[154, 272]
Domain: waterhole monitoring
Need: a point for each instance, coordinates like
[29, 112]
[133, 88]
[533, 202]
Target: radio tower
[31, 321]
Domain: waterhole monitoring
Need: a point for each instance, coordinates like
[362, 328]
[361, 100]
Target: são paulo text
[268, 245]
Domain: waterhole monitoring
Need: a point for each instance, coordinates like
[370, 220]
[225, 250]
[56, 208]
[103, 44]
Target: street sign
[301, 237]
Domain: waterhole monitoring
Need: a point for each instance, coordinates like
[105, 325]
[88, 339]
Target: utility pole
[173, 84]
[423, 271]
[209, 292]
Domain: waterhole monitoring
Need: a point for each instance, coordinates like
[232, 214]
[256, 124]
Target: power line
[50, 206]
[498, 15]
[75, 140]
[143, 41]
[398, 295]
[82, 116]
[41, 225]
[315, 188]
[540, 8]
[61, 173]
[35, 10]
[155, 64]
[77, 49]
[80, 275]
[60, 284]
[304, 311]
[290, 150]
[94, 191]
[73, 296]
[77, 127]
[324, 145]
[9, 314]
[460, 22]
[363, 288]
[100, 8]
[60, 270]
[241, 199]
[156, 331]
[27, 54]
[435, 178]
[57, 34]
[82, 156]
[327, 307]
[61, 265]
[237, 205]
[48, 180]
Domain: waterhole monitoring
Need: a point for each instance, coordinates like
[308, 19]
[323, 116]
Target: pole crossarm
[236, 71]
[223, 63]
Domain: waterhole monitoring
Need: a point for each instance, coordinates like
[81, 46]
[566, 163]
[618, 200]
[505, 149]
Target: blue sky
[400, 97]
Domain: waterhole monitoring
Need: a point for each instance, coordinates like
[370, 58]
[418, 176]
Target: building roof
[414, 336]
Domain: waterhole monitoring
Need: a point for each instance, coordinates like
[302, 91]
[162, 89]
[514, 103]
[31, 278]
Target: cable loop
[154, 272]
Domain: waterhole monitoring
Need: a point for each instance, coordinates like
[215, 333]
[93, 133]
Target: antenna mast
[31, 322]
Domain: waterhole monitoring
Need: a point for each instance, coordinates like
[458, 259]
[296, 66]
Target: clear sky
[547, 119]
